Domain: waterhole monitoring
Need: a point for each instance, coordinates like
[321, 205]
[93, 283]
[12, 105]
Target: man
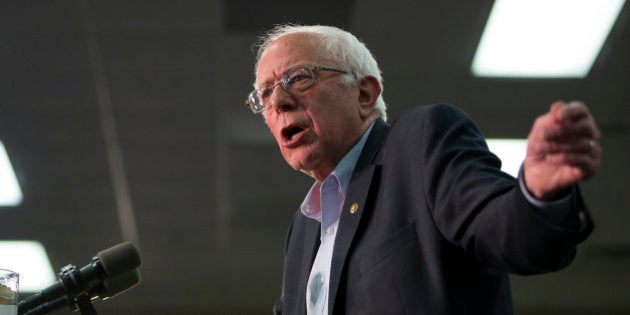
[416, 217]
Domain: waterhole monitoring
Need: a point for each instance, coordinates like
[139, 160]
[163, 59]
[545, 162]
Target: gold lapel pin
[354, 207]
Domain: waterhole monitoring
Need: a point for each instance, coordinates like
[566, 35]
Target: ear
[369, 91]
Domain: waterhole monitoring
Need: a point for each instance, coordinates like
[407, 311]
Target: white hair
[341, 46]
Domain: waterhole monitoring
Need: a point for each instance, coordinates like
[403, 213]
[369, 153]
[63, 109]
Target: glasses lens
[298, 80]
[253, 101]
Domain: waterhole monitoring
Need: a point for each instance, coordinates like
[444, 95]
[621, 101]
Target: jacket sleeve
[481, 209]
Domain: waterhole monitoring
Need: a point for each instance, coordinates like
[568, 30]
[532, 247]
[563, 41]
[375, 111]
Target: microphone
[107, 289]
[114, 261]
[110, 288]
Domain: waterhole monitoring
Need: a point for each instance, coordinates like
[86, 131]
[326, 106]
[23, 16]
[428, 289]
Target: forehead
[285, 53]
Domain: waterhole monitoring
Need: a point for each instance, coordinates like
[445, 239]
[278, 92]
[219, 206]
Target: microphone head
[119, 284]
[119, 259]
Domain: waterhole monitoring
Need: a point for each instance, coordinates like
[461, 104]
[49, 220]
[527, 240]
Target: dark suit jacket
[437, 227]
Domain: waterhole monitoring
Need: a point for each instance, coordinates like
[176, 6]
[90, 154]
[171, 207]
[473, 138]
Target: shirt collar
[342, 173]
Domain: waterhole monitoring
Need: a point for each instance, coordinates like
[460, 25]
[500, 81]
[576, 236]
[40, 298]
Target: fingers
[586, 146]
[567, 135]
[571, 111]
[583, 153]
[570, 122]
[582, 131]
[571, 130]
[576, 110]
[583, 165]
[563, 148]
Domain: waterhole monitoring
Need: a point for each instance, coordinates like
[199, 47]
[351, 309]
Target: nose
[281, 100]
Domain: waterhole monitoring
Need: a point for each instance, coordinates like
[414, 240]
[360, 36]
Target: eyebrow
[269, 82]
[266, 82]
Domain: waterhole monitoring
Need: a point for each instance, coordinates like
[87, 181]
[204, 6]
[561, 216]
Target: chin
[304, 159]
[298, 164]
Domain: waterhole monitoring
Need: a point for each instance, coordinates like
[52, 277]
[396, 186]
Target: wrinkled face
[314, 128]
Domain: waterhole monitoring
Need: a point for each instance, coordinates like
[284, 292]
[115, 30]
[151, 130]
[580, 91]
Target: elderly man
[416, 217]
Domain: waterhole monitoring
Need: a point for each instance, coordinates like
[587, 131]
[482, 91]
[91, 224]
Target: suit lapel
[354, 206]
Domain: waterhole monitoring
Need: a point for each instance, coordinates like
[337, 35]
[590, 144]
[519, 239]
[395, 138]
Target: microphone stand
[71, 278]
[83, 303]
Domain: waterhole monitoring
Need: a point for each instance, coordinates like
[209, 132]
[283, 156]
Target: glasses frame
[253, 100]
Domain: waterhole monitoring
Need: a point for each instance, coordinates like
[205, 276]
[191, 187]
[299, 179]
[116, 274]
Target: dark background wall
[124, 120]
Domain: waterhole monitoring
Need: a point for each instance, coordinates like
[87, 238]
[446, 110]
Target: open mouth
[292, 132]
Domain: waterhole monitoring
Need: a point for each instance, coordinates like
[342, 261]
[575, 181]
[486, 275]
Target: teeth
[292, 132]
[295, 132]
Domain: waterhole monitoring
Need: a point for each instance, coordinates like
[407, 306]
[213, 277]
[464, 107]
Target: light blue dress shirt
[323, 203]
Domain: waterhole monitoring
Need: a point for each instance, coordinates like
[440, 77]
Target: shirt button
[330, 230]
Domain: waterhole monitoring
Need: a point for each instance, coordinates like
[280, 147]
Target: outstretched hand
[562, 149]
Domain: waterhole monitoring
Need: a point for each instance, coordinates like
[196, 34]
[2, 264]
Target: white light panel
[10, 194]
[544, 38]
[510, 151]
[30, 260]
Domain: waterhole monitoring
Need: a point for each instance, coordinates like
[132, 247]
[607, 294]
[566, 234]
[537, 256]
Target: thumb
[557, 111]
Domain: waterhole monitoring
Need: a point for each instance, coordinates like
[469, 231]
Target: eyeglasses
[293, 80]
